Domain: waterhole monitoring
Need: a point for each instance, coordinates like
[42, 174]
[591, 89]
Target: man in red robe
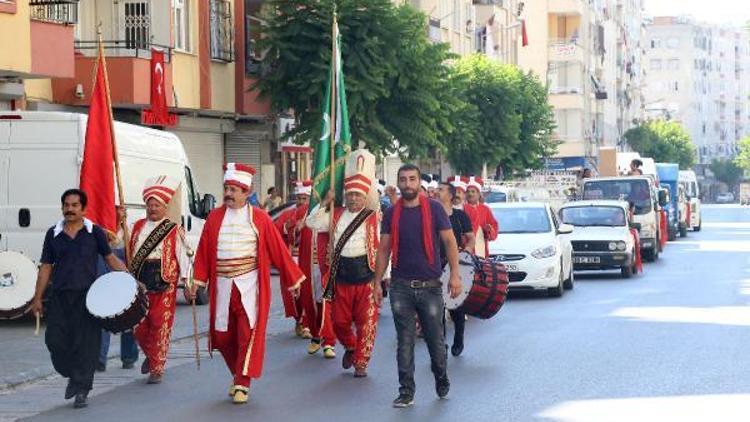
[158, 258]
[482, 221]
[305, 241]
[235, 252]
[353, 234]
[287, 223]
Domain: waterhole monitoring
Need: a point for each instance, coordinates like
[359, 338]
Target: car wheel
[683, 230]
[649, 255]
[568, 283]
[626, 271]
[672, 235]
[698, 227]
[558, 290]
[201, 296]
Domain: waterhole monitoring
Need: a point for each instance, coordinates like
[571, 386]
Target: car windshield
[522, 220]
[593, 216]
[493, 197]
[636, 191]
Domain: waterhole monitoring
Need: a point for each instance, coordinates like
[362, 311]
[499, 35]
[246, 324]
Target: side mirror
[636, 226]
[565, 229]
[207, 204]
[663, 198]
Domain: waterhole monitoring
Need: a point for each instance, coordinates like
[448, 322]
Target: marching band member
[236, 249]
[158, 258]
[482, 221]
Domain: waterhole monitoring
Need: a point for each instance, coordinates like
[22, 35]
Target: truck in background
[689, 182]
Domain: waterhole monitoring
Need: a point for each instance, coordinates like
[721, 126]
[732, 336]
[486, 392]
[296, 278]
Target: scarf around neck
[426, 210]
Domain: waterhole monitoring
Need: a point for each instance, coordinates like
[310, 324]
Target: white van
[689, 182]
[41, 155]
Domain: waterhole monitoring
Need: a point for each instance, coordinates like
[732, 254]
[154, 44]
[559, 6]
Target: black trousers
[459, 322]
[73, 338]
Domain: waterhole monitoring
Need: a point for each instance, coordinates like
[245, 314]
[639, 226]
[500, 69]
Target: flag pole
[333, 105]
[115, 157]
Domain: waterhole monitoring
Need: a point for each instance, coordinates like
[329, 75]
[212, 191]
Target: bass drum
[17, 284]
[117, 302]
[466, 268]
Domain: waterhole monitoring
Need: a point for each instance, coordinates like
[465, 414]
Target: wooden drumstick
[38, 319]
[195, 336]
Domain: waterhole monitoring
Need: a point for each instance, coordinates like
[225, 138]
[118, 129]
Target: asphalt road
[671, 344]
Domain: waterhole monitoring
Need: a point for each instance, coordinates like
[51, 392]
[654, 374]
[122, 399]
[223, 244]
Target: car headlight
[545, 252]
[612, 246]
[621, 246]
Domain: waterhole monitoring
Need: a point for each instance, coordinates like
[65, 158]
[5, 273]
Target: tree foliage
[505, 117]
[726, 171]
[664, 141]
[743, 158]
[396, 80]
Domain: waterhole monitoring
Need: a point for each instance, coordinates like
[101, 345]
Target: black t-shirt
[74, 260]
[461, 225]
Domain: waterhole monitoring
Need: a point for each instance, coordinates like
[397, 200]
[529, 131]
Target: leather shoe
[70, 390]
[360, 372]
[127, 365]
[442, 387]
[313, 348]
[241, 394]
[80, 401]
[101, 367]
[456, 349]
[145, 367]
[154, 379]
[329, 352]
[348, 359]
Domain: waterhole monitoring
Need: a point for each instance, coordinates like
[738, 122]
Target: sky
[713, 11]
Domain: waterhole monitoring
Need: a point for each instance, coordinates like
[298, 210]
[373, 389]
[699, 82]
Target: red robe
[481, 218]
[271, 250]
[286, 224]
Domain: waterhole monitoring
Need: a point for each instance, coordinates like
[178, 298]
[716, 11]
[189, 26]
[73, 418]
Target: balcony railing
[124, 48]
[54, 11]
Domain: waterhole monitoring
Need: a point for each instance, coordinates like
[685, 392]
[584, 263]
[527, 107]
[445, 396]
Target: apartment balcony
[567, 101]
[567, 7]
[128, 69]
[565, 51]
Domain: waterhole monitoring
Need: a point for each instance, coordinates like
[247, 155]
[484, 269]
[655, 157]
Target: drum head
[17, 281]
[466, 272]
[111, 294]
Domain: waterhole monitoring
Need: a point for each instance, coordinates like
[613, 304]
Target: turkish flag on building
[158, 115]
[524, 36]
[97, 170]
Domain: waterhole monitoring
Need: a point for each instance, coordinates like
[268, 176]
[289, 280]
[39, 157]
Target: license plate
[586, 259]
[510, 267]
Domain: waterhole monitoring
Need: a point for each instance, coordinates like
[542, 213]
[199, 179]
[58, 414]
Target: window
[55, 11]
[137, 25]
[655, 64]
[221, 31]
[182, 25]
[656, 43]
[674, 86]
[673, 64]
[253, 54]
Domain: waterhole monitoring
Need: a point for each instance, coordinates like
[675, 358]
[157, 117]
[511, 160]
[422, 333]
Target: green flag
[338, 133]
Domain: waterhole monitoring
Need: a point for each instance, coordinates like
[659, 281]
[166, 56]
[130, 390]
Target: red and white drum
[17, 284]
[466, 270]
[485, 286]
[117, 302]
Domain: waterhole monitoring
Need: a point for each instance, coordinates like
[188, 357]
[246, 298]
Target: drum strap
[353, 226]
[152, 241]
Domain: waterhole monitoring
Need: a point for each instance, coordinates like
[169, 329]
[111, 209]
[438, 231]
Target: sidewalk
[25, 358]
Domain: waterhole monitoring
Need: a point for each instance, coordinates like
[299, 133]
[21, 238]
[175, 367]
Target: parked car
[725, 198]
[534, 247]
[602, 239]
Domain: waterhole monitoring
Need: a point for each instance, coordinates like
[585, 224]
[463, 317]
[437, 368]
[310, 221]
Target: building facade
[698, 75]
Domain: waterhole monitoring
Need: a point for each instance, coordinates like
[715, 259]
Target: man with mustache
[158, 259]
[353, 237]
[235, 252]
[411, 234]
[303, 241]
[69, 259]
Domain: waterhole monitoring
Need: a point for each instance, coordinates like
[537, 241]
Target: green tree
[726, 171]
[743, 158]
[396, 79]
[505, 117]
[664, 141]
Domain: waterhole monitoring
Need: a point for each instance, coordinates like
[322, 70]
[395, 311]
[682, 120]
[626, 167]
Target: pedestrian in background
[69, 256]
[273, 199]
[412, 231]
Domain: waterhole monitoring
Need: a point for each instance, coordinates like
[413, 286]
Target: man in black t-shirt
[69, 259]
[465, 239]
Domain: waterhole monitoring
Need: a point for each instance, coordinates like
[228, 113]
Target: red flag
[524, 37]
[97, 170]
[158, 87]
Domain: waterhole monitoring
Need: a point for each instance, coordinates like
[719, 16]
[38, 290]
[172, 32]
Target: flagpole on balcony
[115, 156]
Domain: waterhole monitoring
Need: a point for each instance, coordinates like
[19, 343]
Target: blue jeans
[128, 348]
[406, 304]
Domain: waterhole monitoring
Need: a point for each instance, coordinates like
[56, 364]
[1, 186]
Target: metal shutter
[205, 151]
[243, 146]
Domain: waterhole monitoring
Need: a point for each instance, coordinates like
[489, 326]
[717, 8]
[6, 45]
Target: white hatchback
[534, 246]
